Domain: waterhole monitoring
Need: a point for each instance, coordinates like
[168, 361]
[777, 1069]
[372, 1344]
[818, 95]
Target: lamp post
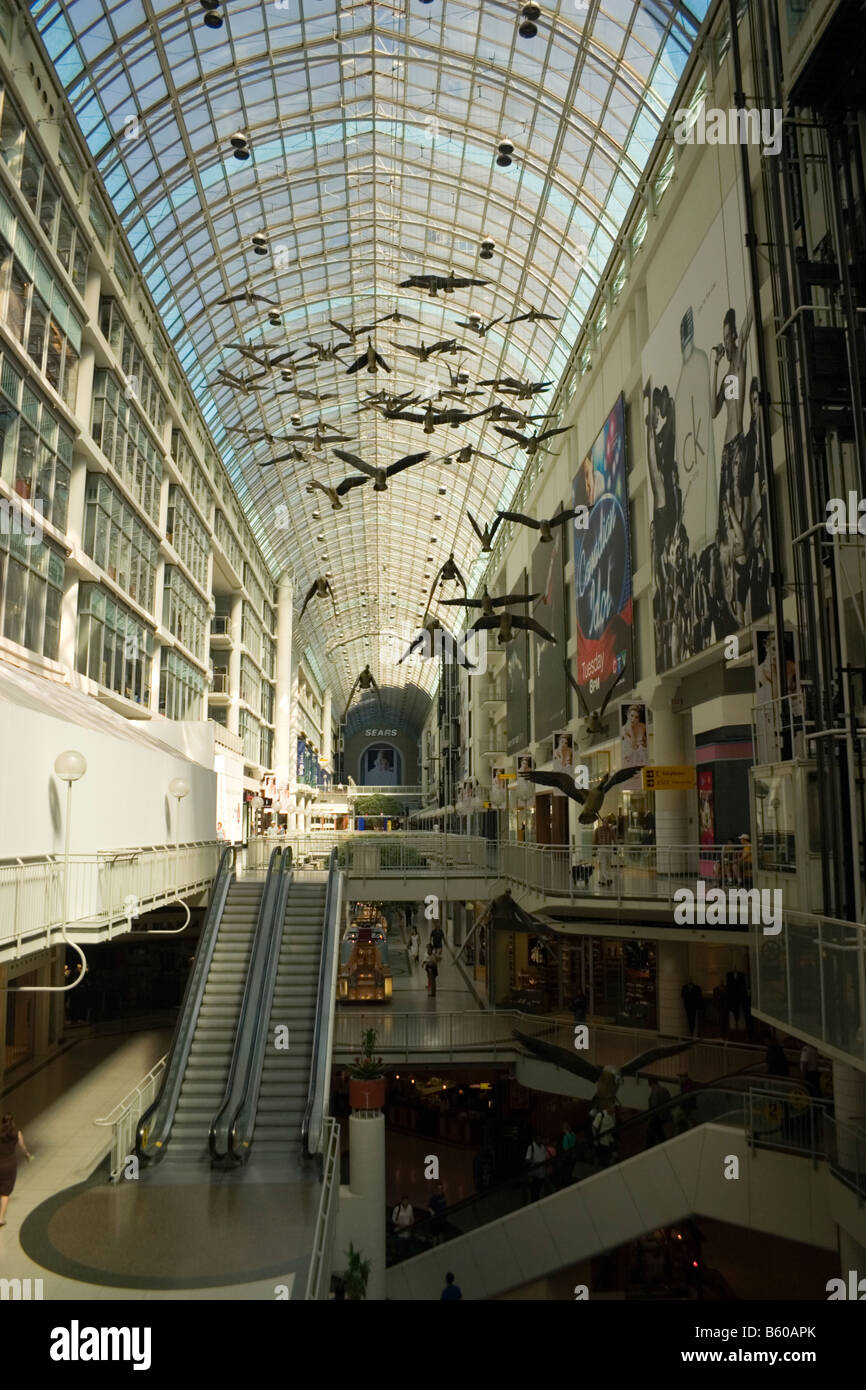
[178, 787]
[70, 767]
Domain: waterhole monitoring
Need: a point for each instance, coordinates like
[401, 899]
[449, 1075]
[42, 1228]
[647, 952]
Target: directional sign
[668, 779]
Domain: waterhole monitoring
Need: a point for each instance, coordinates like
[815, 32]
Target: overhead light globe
[179, 787]
[215, 21]
[528, 27]
[70, 766]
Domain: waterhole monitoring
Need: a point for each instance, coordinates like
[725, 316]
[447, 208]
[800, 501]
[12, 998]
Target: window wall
[184, 612]
[188, 536]
[36, 313]
[125, 442]
[181, 687]
[35, 450]
[140, 382]
[31, 590]
[118, 542]
[191, 472]
[114, 646]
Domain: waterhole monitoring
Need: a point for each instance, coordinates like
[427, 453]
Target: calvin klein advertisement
[711, 570]
[548, 580]
[602, 563]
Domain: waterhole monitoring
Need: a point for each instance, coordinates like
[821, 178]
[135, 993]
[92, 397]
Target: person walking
[604, 1134]
[809, 1069]
[693, 1002]
[566, 1155]
[438, 1210]
[659, 1095]
[414, 945]
[437, 941]
[430, 965]
[537, 1161]
[403, 1219]
[451, 1291]
[11, 1140]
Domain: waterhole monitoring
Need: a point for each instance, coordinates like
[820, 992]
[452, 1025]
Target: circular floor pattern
[142, 1236]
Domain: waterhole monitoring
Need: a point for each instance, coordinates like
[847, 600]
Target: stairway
[286, 1074]
[207, 1069]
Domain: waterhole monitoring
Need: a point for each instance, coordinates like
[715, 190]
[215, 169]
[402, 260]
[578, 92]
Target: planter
[367, 1095]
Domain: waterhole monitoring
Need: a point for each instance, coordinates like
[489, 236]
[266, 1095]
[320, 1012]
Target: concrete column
[234, 670]
[367, 1182]
[672, 971]
[327, 749]
[671, 808]
[284, 762]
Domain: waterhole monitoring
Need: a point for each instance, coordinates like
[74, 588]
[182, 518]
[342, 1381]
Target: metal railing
[124, 1118]
[104, 888]
[400, 1036]
[322, 1257]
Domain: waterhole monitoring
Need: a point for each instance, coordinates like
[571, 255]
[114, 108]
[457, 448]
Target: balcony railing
[220, 684]
[104, 888]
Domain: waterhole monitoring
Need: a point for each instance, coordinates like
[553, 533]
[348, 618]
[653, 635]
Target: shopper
[438, 1210]
[566, 1155]
[414, 945]
[451, 1291]
[604, 1134]
[403, 1218]
[437, 941]
[693, 1002]
[659, 1095]
[11, 1140]
[430, 965]
[537, 1161]
[579, 1006]
[777, 1062]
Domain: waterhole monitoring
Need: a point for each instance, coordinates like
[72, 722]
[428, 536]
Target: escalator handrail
[242, 1118]
[323, 1036]
[218, 1135]
[154, 1128]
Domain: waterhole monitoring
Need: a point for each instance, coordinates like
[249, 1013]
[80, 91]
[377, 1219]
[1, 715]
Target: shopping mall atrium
[433, 650]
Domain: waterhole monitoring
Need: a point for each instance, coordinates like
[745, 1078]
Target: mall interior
[432, 649]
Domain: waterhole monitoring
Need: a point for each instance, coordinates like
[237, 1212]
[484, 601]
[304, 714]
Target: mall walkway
[56, 1109]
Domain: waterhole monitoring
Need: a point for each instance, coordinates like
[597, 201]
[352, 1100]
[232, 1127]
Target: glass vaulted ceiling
[373, 131]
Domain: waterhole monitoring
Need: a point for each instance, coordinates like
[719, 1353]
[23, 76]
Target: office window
[35, 450]
[188, 536]
[70, 161]
[184, 612]
[114, 647]
[116, 540]
[125, 442]
[181, 688]
[31, 590]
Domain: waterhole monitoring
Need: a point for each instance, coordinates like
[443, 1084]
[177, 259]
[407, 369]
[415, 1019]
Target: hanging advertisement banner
[706, 819]
[602, 563]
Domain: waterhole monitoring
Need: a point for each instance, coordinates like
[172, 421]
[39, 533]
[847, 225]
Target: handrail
[320, 1066]
[325, 1227]
[157, 1120]
[219, 1134]
[243, 1117]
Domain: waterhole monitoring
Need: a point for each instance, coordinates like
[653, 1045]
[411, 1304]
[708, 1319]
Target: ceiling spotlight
[488, 246]
[274, 319]
[260, 244]
[437, 516]
[506, 150]
[443, 491]
[240, 146]
[212, 19]
[528, 28]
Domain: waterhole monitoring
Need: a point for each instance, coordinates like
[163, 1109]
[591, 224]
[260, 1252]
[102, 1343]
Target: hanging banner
[602, 563]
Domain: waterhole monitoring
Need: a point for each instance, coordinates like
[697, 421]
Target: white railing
[322, 1258]
[102, 887]
[123, 1119]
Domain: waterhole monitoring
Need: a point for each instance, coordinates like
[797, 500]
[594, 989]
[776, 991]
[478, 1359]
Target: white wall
[121, 802]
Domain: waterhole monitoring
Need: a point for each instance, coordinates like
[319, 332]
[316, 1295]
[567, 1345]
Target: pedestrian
[777, 1062]
[429, 964]
[604, 1134]
[693, 1002]
[566, 1156]
[537, 1161]
[451, 1291]
[11, 1140]
[659, 1095]
[403, 1219]
[414, 944]
[437, 940]
[438, 1210]
[579, 1006]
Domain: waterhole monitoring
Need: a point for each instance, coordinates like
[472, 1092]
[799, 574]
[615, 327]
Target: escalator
[286, 1071]
[210, 1055]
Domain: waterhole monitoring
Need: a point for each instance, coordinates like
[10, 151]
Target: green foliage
[356, 1274]
[378, 805]
[367, 1067]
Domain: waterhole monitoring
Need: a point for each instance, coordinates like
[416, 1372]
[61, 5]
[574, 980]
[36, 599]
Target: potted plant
[354, 1277]
[366, 1081]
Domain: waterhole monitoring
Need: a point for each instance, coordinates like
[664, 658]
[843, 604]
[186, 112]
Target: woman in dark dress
[11, 1139]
